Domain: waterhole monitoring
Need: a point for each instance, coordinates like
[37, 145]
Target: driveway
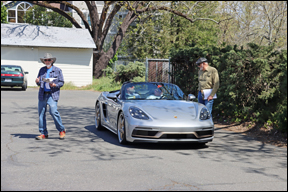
[88, 159]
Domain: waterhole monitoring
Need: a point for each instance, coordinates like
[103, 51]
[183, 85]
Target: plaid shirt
[55, 73]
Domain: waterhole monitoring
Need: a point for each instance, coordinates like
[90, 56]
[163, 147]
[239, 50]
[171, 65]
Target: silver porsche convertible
[153, 112]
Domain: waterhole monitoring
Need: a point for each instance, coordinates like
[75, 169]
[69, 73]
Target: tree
[39, 16]
[260, 22]
[3, 13]
[154, 37]
[135, 9]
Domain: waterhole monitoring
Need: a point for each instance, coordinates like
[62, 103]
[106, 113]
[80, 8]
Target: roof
[23, 34]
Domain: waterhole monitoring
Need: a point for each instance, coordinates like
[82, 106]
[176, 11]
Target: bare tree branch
[108, 23]
[101, 25]
[63, 13]
[94, 20]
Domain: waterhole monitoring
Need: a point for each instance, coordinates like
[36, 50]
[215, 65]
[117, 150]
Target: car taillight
[12, 75]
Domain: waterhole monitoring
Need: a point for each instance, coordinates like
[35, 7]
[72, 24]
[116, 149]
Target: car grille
[142, 133]
[171, 135]
[178, 136]
[203, 134]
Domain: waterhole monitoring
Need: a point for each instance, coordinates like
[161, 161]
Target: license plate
[8, 80]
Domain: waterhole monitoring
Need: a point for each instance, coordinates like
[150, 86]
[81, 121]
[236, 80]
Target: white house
[23, 44]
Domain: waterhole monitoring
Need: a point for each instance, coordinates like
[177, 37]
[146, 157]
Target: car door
[111, 107]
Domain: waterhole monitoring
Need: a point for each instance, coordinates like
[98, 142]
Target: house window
[11, 16]
[17, 12]
[21, 11]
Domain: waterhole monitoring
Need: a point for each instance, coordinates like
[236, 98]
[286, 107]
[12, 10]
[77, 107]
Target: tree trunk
[100, 62]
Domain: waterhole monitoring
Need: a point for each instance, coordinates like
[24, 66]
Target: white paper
[207, 93]
[48, 80]
[47, 85]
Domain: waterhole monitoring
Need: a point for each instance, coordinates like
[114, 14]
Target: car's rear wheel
[98, 117]
[24, 87]
[121, 131]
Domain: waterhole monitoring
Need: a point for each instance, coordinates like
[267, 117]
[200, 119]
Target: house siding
[76, 64]
[24, 45]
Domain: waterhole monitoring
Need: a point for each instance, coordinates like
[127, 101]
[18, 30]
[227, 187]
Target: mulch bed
[263, 134]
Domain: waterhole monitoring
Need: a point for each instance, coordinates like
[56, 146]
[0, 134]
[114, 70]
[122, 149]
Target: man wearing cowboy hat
[49, 94]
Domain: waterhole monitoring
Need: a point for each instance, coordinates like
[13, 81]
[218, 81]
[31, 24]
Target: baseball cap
[201, 60]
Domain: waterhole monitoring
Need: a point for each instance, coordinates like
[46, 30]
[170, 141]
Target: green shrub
[138, 79]
[253, 82]
[108, 71]
[129, 72]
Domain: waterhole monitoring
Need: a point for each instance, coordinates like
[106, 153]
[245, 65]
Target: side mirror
[191, 97]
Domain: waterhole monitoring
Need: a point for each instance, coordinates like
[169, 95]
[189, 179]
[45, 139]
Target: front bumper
[137, 131]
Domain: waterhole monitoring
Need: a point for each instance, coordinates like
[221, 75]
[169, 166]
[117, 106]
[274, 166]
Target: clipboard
[207, 93]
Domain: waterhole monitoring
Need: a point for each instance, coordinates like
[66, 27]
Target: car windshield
[10, 68]
[151, 91]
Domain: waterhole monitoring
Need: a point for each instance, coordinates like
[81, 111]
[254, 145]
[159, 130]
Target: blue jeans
[208, 104]
[42, 107]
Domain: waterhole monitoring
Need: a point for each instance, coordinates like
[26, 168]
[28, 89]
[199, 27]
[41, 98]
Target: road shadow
[12, 89]
[111, 138]
[25, 136]
[82, 137]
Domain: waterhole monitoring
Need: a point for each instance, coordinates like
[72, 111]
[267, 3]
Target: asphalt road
[91, 160]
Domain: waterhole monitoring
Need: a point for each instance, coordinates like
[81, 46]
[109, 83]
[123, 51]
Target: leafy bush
[253, 82]
[129, 72]
[3, 13]
[108, 71]
[138, 79]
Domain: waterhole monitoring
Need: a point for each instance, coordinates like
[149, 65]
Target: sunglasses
[47, 59]
[199, 64]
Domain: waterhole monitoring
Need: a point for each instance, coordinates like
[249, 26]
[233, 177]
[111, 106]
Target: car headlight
[137, 113]
[204, 114]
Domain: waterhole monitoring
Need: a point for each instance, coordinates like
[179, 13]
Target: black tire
[121, 130]
[98, 124]
[24, 87]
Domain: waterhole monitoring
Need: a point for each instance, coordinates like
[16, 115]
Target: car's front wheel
[98, 117]
[121, 132]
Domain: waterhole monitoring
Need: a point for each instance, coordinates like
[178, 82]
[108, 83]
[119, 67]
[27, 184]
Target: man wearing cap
[49, 94]
[208, 79]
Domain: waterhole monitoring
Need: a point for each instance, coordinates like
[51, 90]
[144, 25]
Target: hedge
[253, 81]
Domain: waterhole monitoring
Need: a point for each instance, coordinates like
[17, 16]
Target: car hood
[168, 109]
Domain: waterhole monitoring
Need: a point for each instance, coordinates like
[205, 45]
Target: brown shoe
[41, 137]
[62, 134]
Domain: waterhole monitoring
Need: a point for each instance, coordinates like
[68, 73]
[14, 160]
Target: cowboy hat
[48, 56]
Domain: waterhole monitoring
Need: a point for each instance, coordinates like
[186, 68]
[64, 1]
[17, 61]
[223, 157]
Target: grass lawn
[102, 84]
